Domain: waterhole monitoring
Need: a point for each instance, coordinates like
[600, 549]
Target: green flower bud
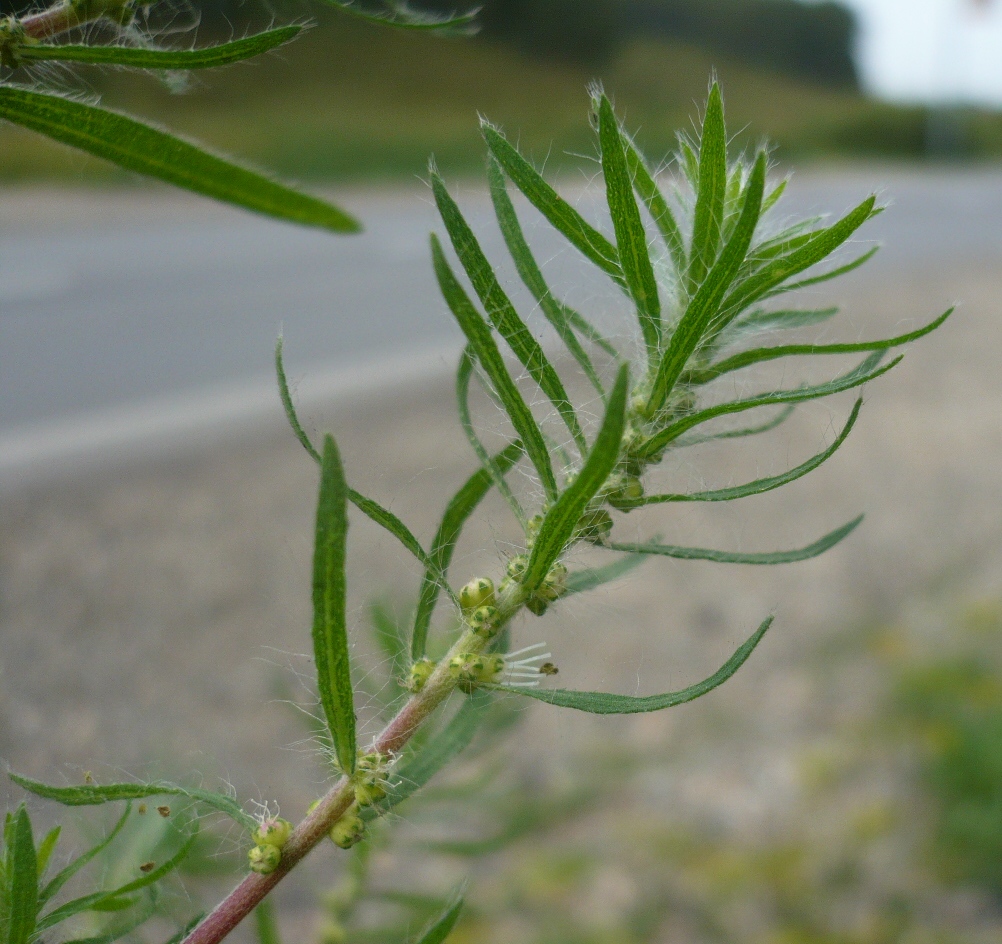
[264, 859]
[348, 830]
[273, 831]
[478, 592]
[517, 566]
[483, 620]
[419, 674]
[493, 667]
[532, 527]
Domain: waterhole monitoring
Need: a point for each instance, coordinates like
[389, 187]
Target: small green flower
[273, 831]
[348, 830]
[478, 592]
[419, 674]
[483, 620]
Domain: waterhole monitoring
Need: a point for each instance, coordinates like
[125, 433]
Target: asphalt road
[156, 301]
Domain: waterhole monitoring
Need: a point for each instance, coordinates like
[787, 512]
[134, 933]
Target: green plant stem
[317, 824]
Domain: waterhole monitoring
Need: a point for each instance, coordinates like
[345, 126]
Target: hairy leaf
[208, 57]
[861, 259]
[762, 354]
[604, 703]
[560, 521]
[758, 486]
[820, 246]
[712, 184]
[148, 150]
[91, 794]
[500, 311]
[372, 509]
[781, 417]
[22, 902]
[558, 315]
[582, 235]
[648, 191]
[482, 343]
[866, 371]
[631, 238]
[330, 625]
[737, 557]
[704, 307]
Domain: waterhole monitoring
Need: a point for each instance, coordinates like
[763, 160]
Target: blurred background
[155, 516]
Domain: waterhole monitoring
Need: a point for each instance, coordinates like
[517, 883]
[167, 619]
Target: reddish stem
[249, 893]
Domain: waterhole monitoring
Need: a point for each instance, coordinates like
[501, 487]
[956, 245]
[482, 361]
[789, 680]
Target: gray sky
[932, 50]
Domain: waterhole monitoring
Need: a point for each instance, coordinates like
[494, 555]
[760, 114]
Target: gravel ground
[153, 613]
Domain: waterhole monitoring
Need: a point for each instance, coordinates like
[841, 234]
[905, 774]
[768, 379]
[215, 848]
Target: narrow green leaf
[415, 771]
[330, 626]
[866, 371]
[604, 703]
[441, 927]
[709, 212]
[372, 509]
[288, 405]
[648, 191]
[580, 581]
[91, 794]
[689, 161]
[736, 557]
[560, 521]
[62, 877]
[582, 235]
[482, 343]
[399, 15]
[22, 903]
[208, 57]
[265, 924]
[631, 238]
[781, 417]
[531, 275]
[705, 305]
[774, 195]
[762, 354]
[758, 486]
[500, 311]
[457, 512]
[464, 373]
[46, 847]
[760, 319]
[386, 519]
[826, 276]
[95, 901]
[821, 245]
[148, 150]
